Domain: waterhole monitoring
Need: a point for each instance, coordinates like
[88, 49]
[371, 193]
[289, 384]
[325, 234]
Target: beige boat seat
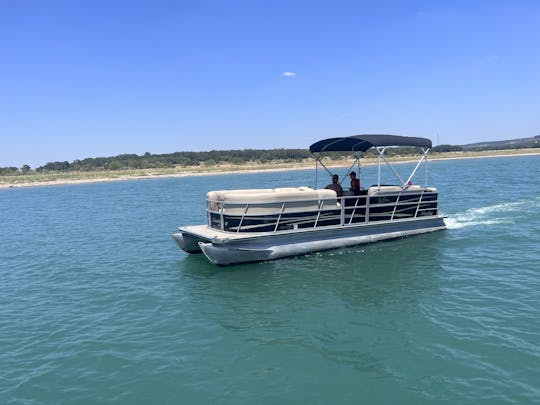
[384, 189]
[396, 189]
[271, 201]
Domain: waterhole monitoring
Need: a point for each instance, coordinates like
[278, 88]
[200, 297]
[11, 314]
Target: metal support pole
[380, 151]
[422, 159]
[316, 172]
[342, 214]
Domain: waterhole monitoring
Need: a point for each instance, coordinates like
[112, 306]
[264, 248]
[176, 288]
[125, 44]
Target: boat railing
[375, 205]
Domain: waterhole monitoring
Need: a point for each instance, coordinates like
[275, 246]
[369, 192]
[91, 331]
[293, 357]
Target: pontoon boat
[266, 224]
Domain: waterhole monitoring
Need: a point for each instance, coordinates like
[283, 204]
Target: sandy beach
[41, 180]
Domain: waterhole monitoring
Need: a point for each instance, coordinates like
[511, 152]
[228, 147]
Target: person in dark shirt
[335, 185]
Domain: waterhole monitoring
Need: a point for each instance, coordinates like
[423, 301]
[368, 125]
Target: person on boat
[355, 183]
[335, 185]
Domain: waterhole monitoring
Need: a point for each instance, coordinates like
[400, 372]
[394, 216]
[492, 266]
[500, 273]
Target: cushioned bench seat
[396, 189]
[270, 201]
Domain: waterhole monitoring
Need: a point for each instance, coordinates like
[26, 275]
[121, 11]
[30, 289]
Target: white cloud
[288, 74]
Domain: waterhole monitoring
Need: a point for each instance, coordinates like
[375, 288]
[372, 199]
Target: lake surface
[98, 304]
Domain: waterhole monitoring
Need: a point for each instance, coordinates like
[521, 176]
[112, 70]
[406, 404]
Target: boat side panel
[279, 246]
[382, 207]
[372, 228]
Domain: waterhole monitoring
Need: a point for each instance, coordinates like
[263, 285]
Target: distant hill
[533, 142]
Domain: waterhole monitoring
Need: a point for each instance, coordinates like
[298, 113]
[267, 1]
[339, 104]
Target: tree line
[214, 157]
[182, 159]
[152, 161]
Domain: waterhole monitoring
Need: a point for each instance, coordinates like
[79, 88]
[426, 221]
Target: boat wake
[505, 213]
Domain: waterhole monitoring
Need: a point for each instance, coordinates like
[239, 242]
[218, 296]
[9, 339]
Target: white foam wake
[503, 213]
[455, 222]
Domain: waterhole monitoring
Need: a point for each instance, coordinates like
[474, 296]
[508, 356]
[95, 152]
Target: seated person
[355, 183]
[335, 186]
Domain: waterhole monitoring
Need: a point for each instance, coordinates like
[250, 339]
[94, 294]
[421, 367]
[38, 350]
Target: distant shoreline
[100, 177]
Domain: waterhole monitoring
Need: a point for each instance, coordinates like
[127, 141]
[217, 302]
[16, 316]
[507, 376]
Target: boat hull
[227, 251]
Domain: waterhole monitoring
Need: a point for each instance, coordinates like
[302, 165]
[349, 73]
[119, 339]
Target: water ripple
[97, 304]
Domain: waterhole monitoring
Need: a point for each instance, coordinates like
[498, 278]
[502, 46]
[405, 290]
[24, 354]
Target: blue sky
[99, 78]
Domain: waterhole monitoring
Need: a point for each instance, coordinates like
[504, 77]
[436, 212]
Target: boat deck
[204, 231]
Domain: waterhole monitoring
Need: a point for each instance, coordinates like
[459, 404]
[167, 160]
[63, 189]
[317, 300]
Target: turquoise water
[97, 304]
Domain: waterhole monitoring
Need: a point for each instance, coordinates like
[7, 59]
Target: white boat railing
[242, 216]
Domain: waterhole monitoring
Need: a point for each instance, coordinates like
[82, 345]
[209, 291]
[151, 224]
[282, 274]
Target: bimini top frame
[357, 144]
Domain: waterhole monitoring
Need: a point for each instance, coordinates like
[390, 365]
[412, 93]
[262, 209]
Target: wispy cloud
[288, 74]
